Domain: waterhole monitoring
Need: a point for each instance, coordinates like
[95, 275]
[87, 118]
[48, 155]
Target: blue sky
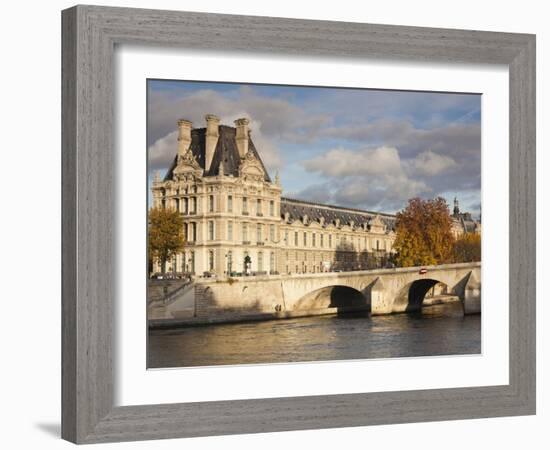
[370, 149]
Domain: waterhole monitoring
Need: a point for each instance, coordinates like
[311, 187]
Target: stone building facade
[236, 221]
[462, 222]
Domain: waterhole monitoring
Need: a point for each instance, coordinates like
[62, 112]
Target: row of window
[315, 239]
[247, 262]
[187, 205]
[187, 262]
[190, 232]
[184, 205]
[259, 206]
[321, 240]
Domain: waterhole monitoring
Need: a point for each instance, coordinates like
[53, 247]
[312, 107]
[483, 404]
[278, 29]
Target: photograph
[304, 223]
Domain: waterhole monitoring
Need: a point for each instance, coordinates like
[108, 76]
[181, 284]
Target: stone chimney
[184, 136]
[242, 136]
[212, 135]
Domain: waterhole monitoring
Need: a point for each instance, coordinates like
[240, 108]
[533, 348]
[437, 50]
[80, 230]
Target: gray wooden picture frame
[90, 34]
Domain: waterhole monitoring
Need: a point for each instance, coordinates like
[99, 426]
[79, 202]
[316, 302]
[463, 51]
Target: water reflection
[435, 330]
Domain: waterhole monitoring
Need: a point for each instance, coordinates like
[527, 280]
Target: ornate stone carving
[251, 169]
[187, 168]
[377, 225]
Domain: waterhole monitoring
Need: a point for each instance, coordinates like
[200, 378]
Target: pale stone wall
[157, 290]
[212, 218]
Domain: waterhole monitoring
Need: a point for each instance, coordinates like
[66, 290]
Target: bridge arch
[417, 292]
[340, 297]
[411, 296]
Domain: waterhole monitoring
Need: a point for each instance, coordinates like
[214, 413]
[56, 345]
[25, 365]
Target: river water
[435, 330]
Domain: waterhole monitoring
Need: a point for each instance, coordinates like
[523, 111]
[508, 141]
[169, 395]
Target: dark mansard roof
[226, 150]
[297, 209]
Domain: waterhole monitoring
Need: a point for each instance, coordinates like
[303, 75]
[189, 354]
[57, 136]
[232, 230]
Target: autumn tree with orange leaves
[467, 248]
[423, 233]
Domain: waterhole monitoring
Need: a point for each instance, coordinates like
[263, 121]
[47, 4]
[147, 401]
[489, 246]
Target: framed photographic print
[267, 230]
[319, 236]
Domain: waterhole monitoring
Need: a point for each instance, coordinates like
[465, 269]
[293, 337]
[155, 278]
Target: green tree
[423, 233]
[165, 235]
[467, 248]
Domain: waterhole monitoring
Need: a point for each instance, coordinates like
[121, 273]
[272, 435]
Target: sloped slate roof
[468, 225]
[466, 222]
[226, 151]
[297, 209]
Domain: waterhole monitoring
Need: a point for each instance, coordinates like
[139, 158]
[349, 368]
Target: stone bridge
[383, 291]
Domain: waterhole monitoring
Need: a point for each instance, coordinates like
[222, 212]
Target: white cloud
[163, 151]
[268, 150]
[380, 191]
[342, 162]
[429, 163]
[401, 188]
[371, 178]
